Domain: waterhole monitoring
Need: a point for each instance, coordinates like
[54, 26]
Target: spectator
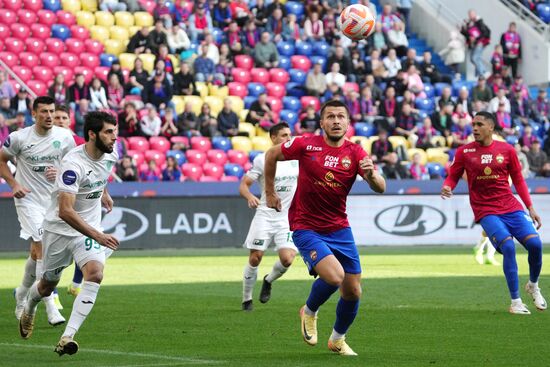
[442, 120]
[478, 36]
[351, 100]
[414, 82]
[313, 28]
[207, 121]
[78, 90]
[314, 6]
[265, 52]
[406, 124]
[59, 91]
[375, 66]
[4, 129]
[21, 103]
[410, 59]
[240, 11]
[540, 108]
[260, 113]
[519, 87]
[6, 111]
[511, 47]
[18, 123]
[168, 127]
[275, 25]
[221, 14]
[329, 25]
[497, 100]
[116, 69]
[126, 169]
[425, 134]
[417, 170]
[379, 39]
[445, 98]
[523, 161]
[459, 113]
[133, 6]
[128, 121]
[392, 63]
[376, 92]
[139, 43]
[177, 39]
[213, 51]
[358, 66]
[79, 113]
[182, 12]
[404, 8]
[504, 120]
[276, 4]
[398, 39]
[527, 139]
[389, 109]
[6, 89]
[310, 123]
[228, 121]
[150, 122]
[157, 37]
[260, 13]
[205, 69]
[455, 52]
[367, 105]
[115, 94]
[481, 92]
[112, 5]
[387, 18]
[519, 108]
[251, 37]
[384, 155]
[316, 82]
[162, 13]
[172, 172]
[188, 123]
[158, 93]
[506, 76]
[408, 98]
[429, 70]
[343, 61]
[151, 174]
[225, 65]
[234, 38]
[163, 63]
[291, 29]
[463, 100]
[184, 83]
[335, 76]
[497, 60]
[200, 23]
[138, 78]
[538, 161]
[461, 133]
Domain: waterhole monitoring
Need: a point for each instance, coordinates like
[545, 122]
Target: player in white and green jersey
[37, 150]
[71, 225]
[268, 225]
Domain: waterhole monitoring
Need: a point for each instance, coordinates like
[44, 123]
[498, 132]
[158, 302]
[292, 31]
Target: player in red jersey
[329, 165]
[488, 163]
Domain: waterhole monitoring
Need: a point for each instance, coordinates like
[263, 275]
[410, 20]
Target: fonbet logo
[125, 224]
[410, 220]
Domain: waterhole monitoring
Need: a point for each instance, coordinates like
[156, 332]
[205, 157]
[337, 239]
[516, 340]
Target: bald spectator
[228, 121]
[265, 52]
[316, 81]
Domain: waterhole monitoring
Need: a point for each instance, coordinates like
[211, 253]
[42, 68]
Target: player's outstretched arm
[18, 190]
[244, 190]
[375, 180]
[71, 217]
[272, 156]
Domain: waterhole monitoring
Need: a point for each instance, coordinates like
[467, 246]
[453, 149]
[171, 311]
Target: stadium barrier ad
[191, 222]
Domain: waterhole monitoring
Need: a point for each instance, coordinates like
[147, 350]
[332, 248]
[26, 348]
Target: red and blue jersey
[324, 181]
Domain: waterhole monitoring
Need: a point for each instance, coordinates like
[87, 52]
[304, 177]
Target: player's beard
[335, 138]
[99, 144]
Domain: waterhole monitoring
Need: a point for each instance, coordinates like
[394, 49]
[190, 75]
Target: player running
[70, 227]
[268, 224]
[488, 163]
[329, 165]
[38, 150]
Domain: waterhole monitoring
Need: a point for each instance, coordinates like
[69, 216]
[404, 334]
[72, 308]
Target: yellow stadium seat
[242, 143]
[397, 140]
[124, 19]
[261, 132]
[133, 30]
[437, 155]
[99, 33]
[216, 104]
[143, 19]
[261, 143]
[72, 6]
[238, 104]
[215, 90]
[439, 141]
[175, 63]
[148, 62]
[127, 60]
[115, 47]
[202, 88]
[119, 33]
[246, 127]
[89, 5]
[85, 19]
[423, 155]
[242, 116]
[367, 144]
[197, 102]
[104, 18]
[179, 103]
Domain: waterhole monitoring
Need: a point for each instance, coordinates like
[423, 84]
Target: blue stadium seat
[107, 59]
[61, 31]
[321, 48]
[248, 100]
[53, 5]
[319, 59]
[543, 11]
[439, 88]
[253, 154]
[537, 129]
[512, 139]
[425, 104]
[292, 103]
[170, 6]
[422, 115]
[297, 76]
[303, 48]
[222, 143]
[284, 62]
[231, 169]
[288, 116]
[295, 7]
[295, 90]
[429, 90]
[519, 128]
[364, 129]
[178, 154]
[285, 48]
[218, 35]
[435, 169]
[255, 89]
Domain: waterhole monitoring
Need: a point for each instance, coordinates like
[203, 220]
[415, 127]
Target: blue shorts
[499, 227]
[314, 247]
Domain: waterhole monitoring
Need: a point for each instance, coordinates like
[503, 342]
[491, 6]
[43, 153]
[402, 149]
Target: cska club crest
[500, 158]
[346, 162]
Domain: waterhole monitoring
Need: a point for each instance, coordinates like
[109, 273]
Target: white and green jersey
[33, 154]
[86, 178]
[286, 181]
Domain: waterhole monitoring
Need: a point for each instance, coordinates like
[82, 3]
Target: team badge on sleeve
[7, 142]
[69, 177]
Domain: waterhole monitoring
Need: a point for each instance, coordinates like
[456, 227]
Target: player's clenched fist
[446, 192]
[367, 165]
[19, 191]
[273, 201]
[253, 202]
[51, 173]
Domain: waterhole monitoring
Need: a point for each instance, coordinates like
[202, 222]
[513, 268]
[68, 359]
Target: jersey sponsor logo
[329, 176]
[39, 168]
[500, 158]
[93, 185]
[314, 148]
[470, 150]
[487, 170]
[289, 143]
[331, 161]
[7, 142]
[346, 162]
[257, 242]
[69, 177]
[486, 158]
[410, 220]
[38, 158]
[94, 195]
[56, 144]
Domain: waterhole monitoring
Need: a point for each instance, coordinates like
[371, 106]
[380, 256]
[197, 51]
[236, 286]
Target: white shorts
[59, 251]
[30, 218]
[264, 230]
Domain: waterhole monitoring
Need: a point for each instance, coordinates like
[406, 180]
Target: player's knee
[95, 276]
[532, 242]
[507, 247]
[352, 294]
[255, 258]
[335, 278]
[45, 288]
[287, 260]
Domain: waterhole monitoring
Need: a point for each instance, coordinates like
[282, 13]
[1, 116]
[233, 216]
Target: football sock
[336, 335]
[82, 307]
[345, 314]
[481, 243]
[277, 272]
[38, 269]
[534, 248]
[510, 267]
[33, 298]
[249, 279]
[48, 300]
[320, 293]
[29, 276]
[77, 276]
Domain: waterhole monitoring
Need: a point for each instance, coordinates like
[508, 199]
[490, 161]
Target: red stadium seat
[55, 45]
[13, 4]
[213, 170]
[23, 72]
[241, 75]
[150, 5]
[245, 62]
[66, 71]
[180, 140]
[75, 45]
[69, 60]
[8, 17]
[29, 59]
[64, 17]
[49, 59]
[14, 45]
[93, 46]
[230, 179]
[26, 16]
[159, 143]
[275, 104]
[300, 62]
[216, 156]
[5, 31]
[259, 75]
[38, 87]
[89, 60]
[196, 156]
[47, 17]
[201, 143]
[80, 32]
[158, 157]
[279, 75]
[1, 45]
[35, 45]
[41, 31]
[237, 157]
[137, 156]
[43, 73]
[20, 30]
[138, 143]
[9, 58]
[191, 171]
[34, 5]
[15, 85]
[275, 90]
[101, 72]
[350, 85]
[309, 100]
[237, 89]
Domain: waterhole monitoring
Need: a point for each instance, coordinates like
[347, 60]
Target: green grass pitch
[421, 306]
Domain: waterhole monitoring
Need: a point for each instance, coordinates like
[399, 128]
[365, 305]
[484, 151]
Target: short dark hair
[62, 108]
[486, 116]
[42, 100]
[95, 120]
[274, 130]
[333, 103]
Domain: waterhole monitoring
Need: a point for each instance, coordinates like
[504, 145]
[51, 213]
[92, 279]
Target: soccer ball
[356, 22]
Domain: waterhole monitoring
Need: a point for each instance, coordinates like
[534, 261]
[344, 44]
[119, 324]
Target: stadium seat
[213, 170]
[321, 48]
[216, 156]
[23, 72]
[397, 140]
[236, 103]
[284, 63]
[5, 32]
[237, 157]
[303, 48]
[429, 90]
[20, 31]
[99, 33]
[243, 114]
[127, 60]
[259, 75]
[124, 19]
[40, 31]
[310, 100]
[148, 62]
[275, 90]
[12, 4]
[425, 104]
[138, 143]
[180, 140]
[435, 169]
[61, 31]
[292, 104]
[205, 178]
[14, 45]
[201, 143]
[222, 143]
[275, 104]
[241, 143]
[297, 76]
[38, 87]
[412, 151]
[439, 141]
[107, 59]
[350, 86]
[439, 88]
[159, 143]
[104, 18]
[288, 116]
[253, 154]
[285, 48]
[191, 171]
[9, 58]
[69, 59]
[102, 73]
[64, 17]
[245, 62]
[80, 32]
[53, 5]
[89, 5]
[364, 129]
[300, 62]
[215, 90]
[319, 60]
[180, 102]
[119, 33]
[67, 72]
[49, 59]
[143, 19]
[246, 127]
[261, 143]
[75, 46]
[71, 5]
[26, 16]
[543, 10]
[43, 73]
[279, 75]
[178, 155]
[237, 89]
[47, 17]
[236, 170]
[89, 60]
[35, 45]
[438, 155]
[34, 5]
[55, 46]
[8, 17]
[196, 156]
[241, 75]
[158, 157]
[203, 89]
[295, 7]
[255, 89]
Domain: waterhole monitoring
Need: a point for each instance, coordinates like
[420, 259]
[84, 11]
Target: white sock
[335, 335]
[77, 285]
[490, 250]
[309, 312]
[533, 285]
[82, 307]
[48, 300]
[277, 272]
[249, 279]
[481, 243]
[29, 276]
[517, 301]
[33, 298]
